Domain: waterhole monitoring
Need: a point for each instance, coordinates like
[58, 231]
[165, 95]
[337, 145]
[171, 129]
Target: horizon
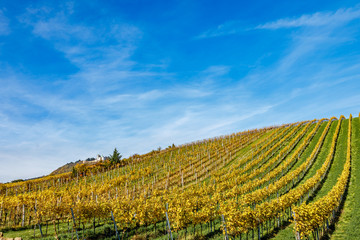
[79, 79]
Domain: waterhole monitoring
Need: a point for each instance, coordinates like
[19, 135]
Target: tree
[74, 172]
[115, 157]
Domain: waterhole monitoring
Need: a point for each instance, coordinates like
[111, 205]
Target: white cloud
[318, 34]
[105, 45]
[228, 28]
[318, 19]
[315, 20]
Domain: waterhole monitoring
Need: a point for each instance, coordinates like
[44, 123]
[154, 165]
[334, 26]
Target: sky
[79, 78]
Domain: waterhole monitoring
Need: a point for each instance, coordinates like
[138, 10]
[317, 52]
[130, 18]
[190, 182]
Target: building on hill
[99, 158]
[94, 160]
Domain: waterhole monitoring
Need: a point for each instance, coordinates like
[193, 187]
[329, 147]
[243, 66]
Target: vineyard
[294, 181]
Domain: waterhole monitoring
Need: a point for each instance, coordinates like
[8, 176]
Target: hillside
[297, 180]
[69, 166]
[65, 168]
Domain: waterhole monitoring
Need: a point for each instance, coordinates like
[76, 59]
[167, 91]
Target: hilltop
[69, 166]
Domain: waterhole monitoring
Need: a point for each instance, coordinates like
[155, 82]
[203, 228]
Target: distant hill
[65, 168]
[69, 166]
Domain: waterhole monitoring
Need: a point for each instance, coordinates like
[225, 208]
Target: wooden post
[1, 210]
[117, 233]
[223, 219]
[168, 223]
[72, 214]
[56, 234]
[297, 234]
[39, 221]
[23, 216]
[182, 179]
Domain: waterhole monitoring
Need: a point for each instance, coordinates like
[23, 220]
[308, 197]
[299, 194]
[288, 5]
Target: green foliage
[115, 158]
[17, 180]
[74, 172]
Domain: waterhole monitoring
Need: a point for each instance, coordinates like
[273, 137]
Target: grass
[287, 232]
[348, 225]
[337, 165]
[297, 146]
[306, 153]
[347, 228]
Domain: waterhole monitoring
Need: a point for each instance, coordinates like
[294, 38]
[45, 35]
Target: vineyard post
[223, 219]
[39, 221]
[317, 234]
[182, 179]
[56, 234]
[297, 234]
[73, 217]
[1, 210]
[117, 233]
[23, 216]
[168, 223]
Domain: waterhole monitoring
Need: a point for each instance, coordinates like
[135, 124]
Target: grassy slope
[324, 151]
[311, 146]
[247, 150]
[287, 233]
[289, 155]
[348, 225]
[281, 147]
[338, 162]
[306, 153]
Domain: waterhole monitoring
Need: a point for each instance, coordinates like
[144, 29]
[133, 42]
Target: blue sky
[80, 78]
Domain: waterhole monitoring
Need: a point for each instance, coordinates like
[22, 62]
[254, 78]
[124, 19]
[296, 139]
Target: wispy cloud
[308, 46]
[315, 20]
[228, 28]
[73, 109]
[110, 43]
[4, 24]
